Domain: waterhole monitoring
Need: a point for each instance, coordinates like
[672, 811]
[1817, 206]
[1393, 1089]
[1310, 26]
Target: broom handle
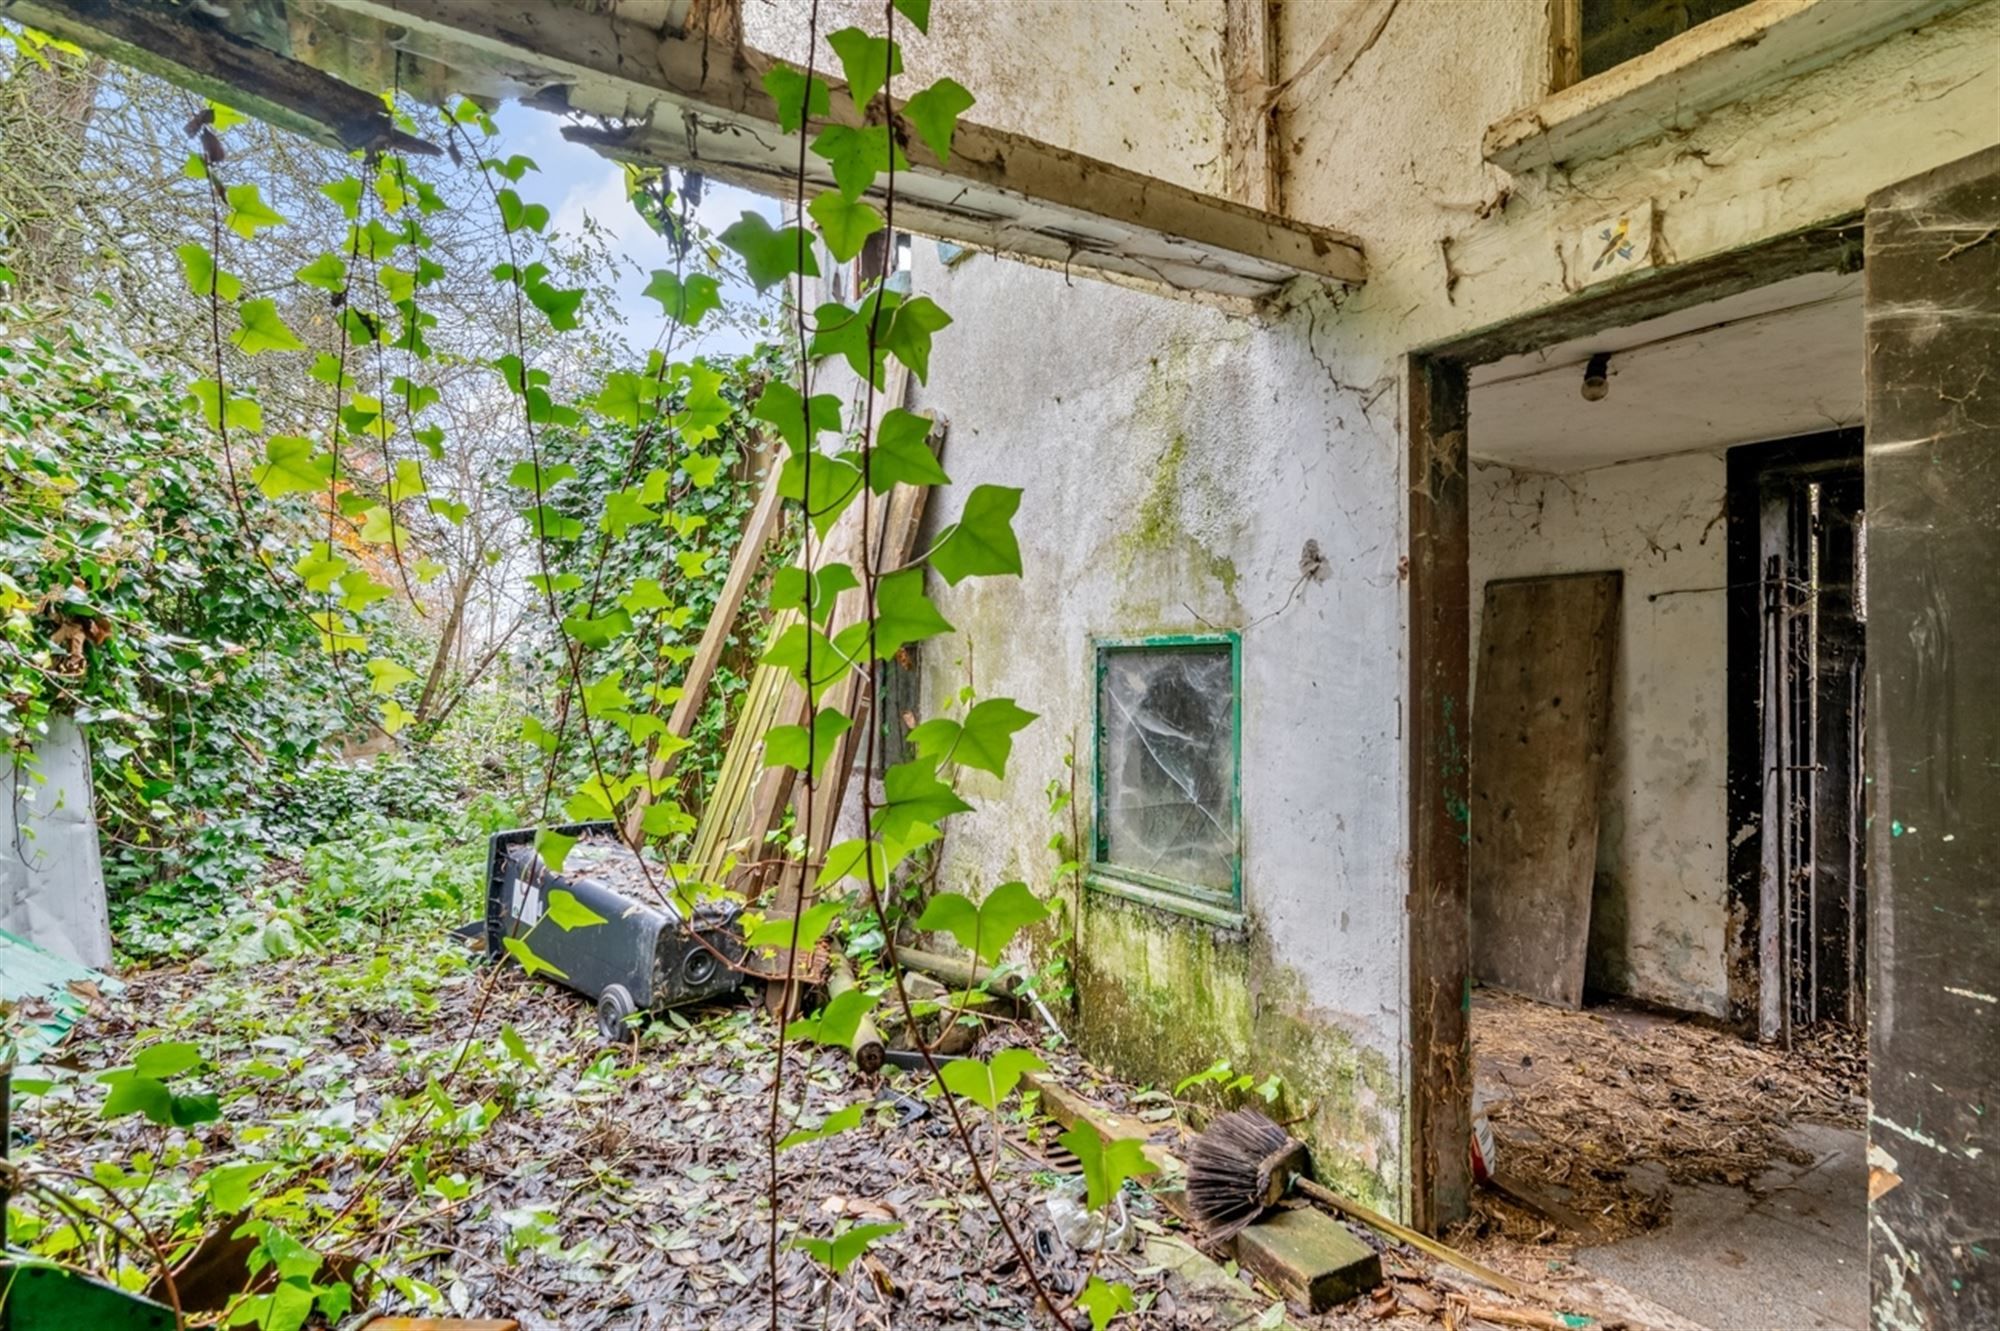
[1450, 1256]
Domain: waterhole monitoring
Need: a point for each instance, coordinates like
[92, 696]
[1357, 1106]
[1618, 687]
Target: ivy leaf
[986, 738]
[553, 848]
[407, 482]
[846, 223]
[598, 631]
[518, 949]
[386, 676]
[626, 397]
[811, 927]
[839, 1121]
[903, 614]
[451, 510]
[798, 98]
[290, 468]
[549, 525]
[784, 407]
[1106, 1164]
[399, 284]
[789, 654]
[359, 590]
[646, 594]
[902, 454]
[841, 330]
[836, 1022]
[395, 717]
[228, 1186]
[770, 255]
[833, 485]
[380, 527]
[912, 797]
[347, 193]
[238, 413]
[320, 567]
[248, 213]
[867, 61]
[842, 1250]
[525, 476]
[790, 588]
[785, 746]
[623, 511]
[909, 336]
[515, 215]
[168, 1058]
[934, 114]
[559, 304]
[985, 929]
[988, 1083]
[684, 300]
[981, 542]
[858, 156]
[327, 369]
[569, 913]
[203, 276]
[327, 272]
[704, 411]
[259, 329]
[1104, 1301]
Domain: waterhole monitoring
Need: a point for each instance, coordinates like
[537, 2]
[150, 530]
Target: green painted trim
[1205, 903]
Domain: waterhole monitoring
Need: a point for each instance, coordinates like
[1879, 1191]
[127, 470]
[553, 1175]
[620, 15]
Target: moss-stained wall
[1162, 996]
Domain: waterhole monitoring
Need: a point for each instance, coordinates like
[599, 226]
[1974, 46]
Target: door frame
[1438, 652]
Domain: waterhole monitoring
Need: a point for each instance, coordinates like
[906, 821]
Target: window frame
[1216, 905]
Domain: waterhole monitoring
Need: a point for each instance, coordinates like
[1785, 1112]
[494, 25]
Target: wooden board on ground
[1542, 709]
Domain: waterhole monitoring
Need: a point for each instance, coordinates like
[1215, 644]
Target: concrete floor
[1788, 1253]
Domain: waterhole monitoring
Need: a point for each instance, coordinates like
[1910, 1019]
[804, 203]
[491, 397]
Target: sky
[574, 182]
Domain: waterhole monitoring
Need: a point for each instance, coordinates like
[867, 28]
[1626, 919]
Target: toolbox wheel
[614, 1005]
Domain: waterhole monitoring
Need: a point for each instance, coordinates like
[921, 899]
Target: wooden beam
[186, 46]
[1712, 64]
[680, 100]
[1565, 43]
[1249, 68]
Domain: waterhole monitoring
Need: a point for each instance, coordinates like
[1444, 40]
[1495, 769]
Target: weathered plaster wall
[1175, 461]
[1136, 82]
[1660, 911]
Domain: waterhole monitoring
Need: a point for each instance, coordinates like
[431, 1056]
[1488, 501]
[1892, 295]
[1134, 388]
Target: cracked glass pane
[1167, 748]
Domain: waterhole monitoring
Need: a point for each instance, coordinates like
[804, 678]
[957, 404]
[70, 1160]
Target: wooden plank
[1932, 313]
[1546, 652]
[1565, 43]
[1440, 1086]
[1724, 60]
[761, 526]
[1249, 66]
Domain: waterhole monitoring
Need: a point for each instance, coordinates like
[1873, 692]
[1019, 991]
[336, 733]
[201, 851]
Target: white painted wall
[1660, 909]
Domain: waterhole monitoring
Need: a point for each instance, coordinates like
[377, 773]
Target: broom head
[1237, 1169]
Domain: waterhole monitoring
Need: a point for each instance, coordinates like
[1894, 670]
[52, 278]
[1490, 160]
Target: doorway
[1797, 626]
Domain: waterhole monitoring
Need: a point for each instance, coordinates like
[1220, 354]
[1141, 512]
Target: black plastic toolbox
[647, 955]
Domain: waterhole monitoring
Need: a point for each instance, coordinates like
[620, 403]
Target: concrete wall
[1175, 459]
[1660, 910]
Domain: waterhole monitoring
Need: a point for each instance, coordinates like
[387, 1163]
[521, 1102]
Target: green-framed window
[1167, 769]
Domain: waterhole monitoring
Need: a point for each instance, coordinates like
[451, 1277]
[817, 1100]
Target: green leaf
[918, 12]
[839, 1121]
[525, 475]
[260, 329]
[518, 1049]
[518, 949]
[790, 586]
[858, 156]
[785, 408]
[914, 797]
[988, 1083]
[684, 300]
[184, 1111]
[701, 469]
[228, 1186]
[553, 847]
[320, 567]
[785, 746]
[986, 737]
[1106, 1164]
[934, 114]
[386, 676]
[901, 454]
[846, 223]
[515, 215]
[399, 284]
[1104, 1301]
[770, 256]
[836, 1022]
[867, 61]
[840, 330]
[559, 304]
[347, 193]
[909, 337]
[248, 213]
[987, 928]
[797, 98]
[598, 631]
[290, 467]
[380, 527]
[225, 118]
[569, 913]
[238, 413]
[789, 653]
[843, 1250]
[203, 277]
[826, 493]
[646, 594]
[359, 590]
[139, 1095]
[327, 272]
[169, 1058]
[623, 511]
[903, 614]
[981, 542]
[778, 933]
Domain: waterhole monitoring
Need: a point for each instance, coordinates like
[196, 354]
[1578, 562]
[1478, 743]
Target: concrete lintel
[689, 101]
[1723, 60]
